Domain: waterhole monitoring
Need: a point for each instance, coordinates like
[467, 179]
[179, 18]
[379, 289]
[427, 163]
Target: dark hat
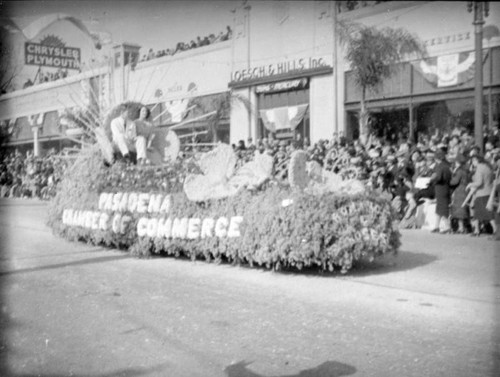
[439, 155]
[477, 155]
[461, 159]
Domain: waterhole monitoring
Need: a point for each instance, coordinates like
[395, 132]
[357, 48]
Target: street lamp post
[247, 8]
[480, 9]
[335, 69]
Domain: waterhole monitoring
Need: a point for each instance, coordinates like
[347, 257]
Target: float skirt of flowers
[276, 227]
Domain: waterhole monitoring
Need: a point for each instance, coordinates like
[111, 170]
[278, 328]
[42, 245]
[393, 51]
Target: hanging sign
[278, 68]
[282, 86]
[50, 56]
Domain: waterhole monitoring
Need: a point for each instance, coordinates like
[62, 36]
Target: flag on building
[448, 70]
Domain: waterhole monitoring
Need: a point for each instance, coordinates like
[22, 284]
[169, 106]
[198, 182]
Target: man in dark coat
[442, 192]
[459, 181]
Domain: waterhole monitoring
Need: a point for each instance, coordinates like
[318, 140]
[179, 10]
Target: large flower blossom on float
[219, 178]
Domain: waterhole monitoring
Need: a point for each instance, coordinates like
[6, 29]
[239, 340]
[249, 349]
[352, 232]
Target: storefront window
[390, 123]
[22, 130]
[56, 145]
[448, 115]
[385, 123]
[445, 115]
[197, 127]
[495, 110]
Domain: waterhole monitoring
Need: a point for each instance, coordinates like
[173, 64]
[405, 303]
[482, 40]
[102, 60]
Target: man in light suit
[122, 136]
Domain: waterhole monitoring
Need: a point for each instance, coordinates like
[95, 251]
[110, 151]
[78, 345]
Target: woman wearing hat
[480, 188]
[441, 179]
[493, 202]
[459, 181]
[454, 147]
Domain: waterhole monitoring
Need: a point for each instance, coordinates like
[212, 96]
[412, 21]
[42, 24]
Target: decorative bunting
[281, 118]
[448, 70]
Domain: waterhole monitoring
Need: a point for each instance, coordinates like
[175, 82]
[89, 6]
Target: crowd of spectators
[404, 172]
[43, 77]
[27, 176]
[184, 46]
[350, 5]
[444, 168]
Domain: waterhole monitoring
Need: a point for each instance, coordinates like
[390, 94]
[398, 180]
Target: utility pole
[481, 10]
[247, 8]
[335, 69]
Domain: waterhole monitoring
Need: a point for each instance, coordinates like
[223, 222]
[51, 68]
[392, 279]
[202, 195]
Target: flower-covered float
[211, 209]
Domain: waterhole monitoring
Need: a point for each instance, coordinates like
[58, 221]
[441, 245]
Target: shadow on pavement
[62, 265]
[129, 372]
[327, 369]
[4, 202]
[64, 254]
[403, 261]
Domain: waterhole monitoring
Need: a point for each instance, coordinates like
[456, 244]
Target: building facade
[436, 93]
[285, 63]
[422, 96]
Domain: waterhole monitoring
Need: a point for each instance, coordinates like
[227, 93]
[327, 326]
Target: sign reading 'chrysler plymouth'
[50, 56]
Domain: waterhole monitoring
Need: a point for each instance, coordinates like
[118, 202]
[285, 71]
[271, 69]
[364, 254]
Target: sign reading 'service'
[50, 56]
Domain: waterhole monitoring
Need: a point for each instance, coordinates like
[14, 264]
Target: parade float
[215, 208]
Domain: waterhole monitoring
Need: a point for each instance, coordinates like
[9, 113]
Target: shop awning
[41, 140]
[196, 122]
[193, 112]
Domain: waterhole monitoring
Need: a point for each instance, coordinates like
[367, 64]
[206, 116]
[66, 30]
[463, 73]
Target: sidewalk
[74, 309]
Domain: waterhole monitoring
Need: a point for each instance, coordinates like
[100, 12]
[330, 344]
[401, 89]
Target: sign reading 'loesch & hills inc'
[50, 56]
[278, 68]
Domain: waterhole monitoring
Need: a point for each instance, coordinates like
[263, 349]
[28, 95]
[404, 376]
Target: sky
[151, 24]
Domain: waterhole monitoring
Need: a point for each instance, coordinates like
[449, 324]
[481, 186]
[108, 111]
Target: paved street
[69, 309]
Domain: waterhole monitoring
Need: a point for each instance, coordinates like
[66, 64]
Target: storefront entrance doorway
[387, 123]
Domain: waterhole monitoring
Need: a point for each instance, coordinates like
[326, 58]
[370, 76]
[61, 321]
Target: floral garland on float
[211, 210]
